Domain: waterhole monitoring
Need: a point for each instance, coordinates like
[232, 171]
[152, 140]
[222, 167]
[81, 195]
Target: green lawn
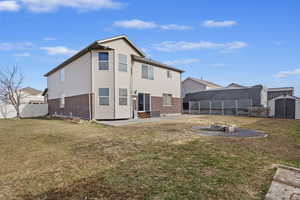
[53, 159]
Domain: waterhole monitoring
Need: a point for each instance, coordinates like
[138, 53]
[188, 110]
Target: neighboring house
[276, 92]
[112, 79]
[32, 105]
[235, 85]
[192, 85]
[32, 96]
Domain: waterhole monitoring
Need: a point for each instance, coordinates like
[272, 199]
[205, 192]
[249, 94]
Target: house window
[123, 96]
[122, 63]
[169, 74]
[62, 75]
[103, 60]
[167, 100]
[104, 96]
[62, 102]
[147, 72]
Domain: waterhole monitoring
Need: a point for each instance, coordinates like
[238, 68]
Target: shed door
[285, 108]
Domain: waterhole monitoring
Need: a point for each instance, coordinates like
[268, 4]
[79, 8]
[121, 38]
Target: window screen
[122, 63]
[123, 96]
[103, 61]
[104, 96]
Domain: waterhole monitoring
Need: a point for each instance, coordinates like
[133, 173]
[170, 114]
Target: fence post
[236, 107]
[189, 107]
[199, 106]
[210, 107]
[251, 105]
[223, 113]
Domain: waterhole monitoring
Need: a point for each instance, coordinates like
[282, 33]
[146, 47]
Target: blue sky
[247, 42]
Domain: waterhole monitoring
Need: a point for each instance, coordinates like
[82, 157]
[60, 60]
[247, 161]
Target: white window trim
[167, 105]
[148, 67]
[120, 54]
[103, 61]
[99, 97]
[123, 97]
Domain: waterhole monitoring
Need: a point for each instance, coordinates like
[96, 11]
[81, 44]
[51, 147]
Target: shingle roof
[153, 62]
[235, 85]
[31, 91]
[96, 45]
[207, 83]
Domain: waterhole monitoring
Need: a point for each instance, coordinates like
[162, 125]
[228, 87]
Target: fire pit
[227, 131]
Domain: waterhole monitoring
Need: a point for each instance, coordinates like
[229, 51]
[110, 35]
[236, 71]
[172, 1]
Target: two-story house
[113, 79]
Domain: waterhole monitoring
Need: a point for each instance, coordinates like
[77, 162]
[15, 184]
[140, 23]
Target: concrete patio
[126, 122]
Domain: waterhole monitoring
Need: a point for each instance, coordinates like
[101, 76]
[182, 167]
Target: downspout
[92, 89]
[131, 89]
[114, 87]
[181, 93]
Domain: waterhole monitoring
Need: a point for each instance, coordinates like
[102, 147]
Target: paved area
[139, 120]
[285, 184]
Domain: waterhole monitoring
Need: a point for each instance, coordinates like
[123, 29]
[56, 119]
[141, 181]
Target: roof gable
[31, 91]
[96, 45]
[125, 38]
[235, 85]
[203, 82]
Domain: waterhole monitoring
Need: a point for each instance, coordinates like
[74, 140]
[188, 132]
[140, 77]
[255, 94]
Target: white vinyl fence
[27, 110]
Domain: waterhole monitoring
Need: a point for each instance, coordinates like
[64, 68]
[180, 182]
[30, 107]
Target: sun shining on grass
[53, 159]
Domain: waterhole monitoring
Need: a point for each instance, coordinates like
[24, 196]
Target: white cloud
[169, 46]
[59, 50]
[213, 23]
[49, 39]
[135, 23]
[218, 65]
[175, 27]
[82, 5]
[283, 74]
[7, 46]
[140, 24]
[25, 54]
[184, 61]
[9, 6]
[146, 51]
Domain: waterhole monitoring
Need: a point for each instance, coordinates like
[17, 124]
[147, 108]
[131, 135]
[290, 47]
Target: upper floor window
[169, 74]
[123, 96]
[104, 96]
[122, 62]
[103, 60]
[147, 72]
[167, 100]
[62, 75]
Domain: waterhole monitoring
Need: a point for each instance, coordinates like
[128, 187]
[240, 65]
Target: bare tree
[11, 81]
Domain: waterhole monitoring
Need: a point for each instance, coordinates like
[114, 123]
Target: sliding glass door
[144, 102]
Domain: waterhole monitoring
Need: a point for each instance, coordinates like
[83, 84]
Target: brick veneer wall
[157, 105]
[77, 106]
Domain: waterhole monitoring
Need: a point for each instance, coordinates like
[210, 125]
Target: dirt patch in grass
[52, 159]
